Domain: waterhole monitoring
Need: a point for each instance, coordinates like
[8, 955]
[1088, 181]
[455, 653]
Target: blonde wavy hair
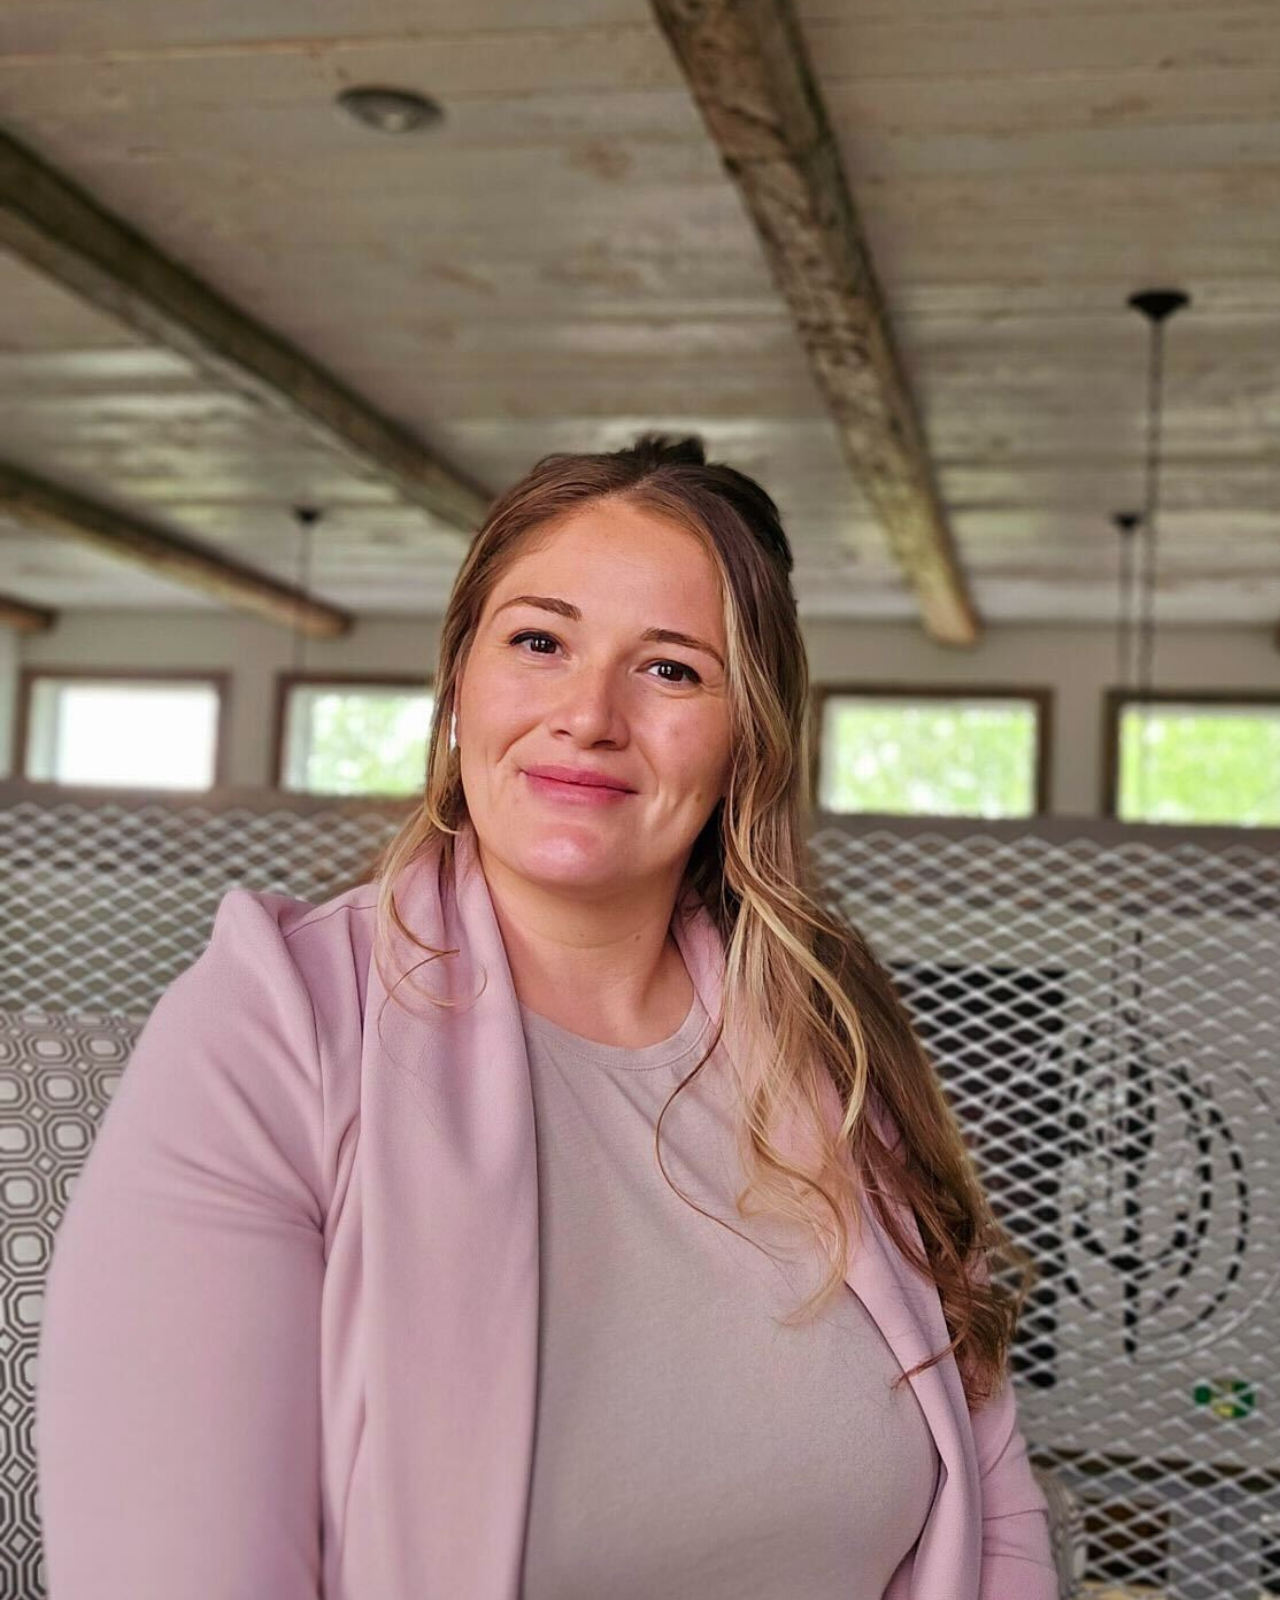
[796, 971]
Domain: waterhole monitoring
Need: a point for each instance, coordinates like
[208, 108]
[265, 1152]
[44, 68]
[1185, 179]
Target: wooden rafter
[164, 555]
[24, 618]
[60, 230]
[746, 64]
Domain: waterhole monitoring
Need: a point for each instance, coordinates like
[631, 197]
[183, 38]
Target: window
[938, 753]
[126, 730]
[351, 736]
[1193, 758]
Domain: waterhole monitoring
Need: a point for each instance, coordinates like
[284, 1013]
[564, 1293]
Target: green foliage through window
[1198, 763]
[928, 757]
[357, 741]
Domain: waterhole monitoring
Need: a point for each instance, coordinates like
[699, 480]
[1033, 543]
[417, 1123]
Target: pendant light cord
[1147, 582]
[1125, 522]
[1155, 399]
[1156, 305]
[306, 518]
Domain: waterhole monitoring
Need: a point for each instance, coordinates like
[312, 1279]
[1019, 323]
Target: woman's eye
[520, 637]
[680, 666]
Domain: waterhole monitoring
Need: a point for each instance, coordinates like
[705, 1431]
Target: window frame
[1116, 699]
[1039, 697]
[218, 679]
[286, 682]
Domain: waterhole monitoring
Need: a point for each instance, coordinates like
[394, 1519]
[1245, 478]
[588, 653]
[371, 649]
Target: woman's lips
[576, 794]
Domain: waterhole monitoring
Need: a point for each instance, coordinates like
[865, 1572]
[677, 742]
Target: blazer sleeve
[1017, 1551]
[177, 1419]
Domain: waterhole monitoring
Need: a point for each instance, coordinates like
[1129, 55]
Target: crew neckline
[686, 1038]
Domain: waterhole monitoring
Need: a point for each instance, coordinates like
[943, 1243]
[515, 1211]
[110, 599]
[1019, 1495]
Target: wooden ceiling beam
[37, 504]
[24, 618]
[746, 64]
[60, 230]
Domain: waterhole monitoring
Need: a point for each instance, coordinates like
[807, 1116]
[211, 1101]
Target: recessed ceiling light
[390, 110]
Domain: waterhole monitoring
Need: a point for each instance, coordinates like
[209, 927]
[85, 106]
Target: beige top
[686, 1445]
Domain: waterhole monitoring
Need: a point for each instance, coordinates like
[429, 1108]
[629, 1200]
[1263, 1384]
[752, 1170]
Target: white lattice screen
[1103, 1007]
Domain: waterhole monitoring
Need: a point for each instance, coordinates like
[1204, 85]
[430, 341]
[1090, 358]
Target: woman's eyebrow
[566, 608]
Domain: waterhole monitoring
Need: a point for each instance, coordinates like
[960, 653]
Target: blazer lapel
[450, 1253]
[450, 1258]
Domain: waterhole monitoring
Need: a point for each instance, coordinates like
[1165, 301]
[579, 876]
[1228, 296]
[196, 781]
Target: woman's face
[580, 686]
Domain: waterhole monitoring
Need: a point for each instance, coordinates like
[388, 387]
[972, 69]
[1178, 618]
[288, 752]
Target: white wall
[1076, 663]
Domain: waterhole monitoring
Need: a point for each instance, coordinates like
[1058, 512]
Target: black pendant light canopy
[1157, 304]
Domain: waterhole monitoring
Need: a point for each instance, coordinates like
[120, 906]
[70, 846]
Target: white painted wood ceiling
[563, 262]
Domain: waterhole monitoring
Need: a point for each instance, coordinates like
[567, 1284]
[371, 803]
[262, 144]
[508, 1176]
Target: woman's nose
[592, 700]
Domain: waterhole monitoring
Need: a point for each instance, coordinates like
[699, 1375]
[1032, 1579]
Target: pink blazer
[289, 1333]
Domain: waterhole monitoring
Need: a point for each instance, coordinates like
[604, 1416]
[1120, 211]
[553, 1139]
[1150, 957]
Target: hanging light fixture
[1126, 525]
[1157, 306]
[306, 518]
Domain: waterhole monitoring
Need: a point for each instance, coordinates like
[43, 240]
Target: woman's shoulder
[344, 921]
[277, 975]
[325, 948]
[343, 915]
[242, 1068]
[314, 935]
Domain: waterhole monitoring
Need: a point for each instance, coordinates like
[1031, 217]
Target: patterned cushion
[1066, 1530]
[58, 1070]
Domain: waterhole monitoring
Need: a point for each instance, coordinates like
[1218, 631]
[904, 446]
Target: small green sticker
[1228, 1398]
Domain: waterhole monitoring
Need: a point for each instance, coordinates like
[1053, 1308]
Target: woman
[450, 1240]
